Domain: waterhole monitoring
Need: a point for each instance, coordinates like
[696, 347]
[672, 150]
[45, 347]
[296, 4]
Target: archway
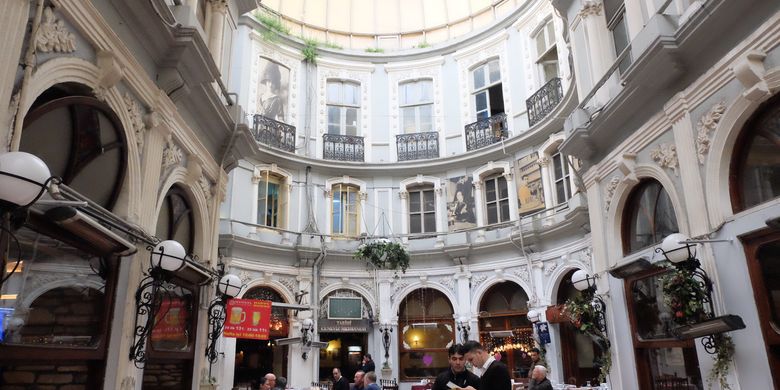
[504, 327]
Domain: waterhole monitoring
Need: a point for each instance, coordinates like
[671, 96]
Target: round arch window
[81, 140]
[176, 220]
[648, 217]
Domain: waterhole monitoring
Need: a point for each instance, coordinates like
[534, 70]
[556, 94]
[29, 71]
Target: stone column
[547, 182]
[597, 36]
[441, 214]
[514, 214]
[404, 196]
[14, 15]
[215, 28]
[479, 203]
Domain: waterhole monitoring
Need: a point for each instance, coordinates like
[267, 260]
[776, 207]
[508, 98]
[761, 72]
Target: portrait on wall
[530, 192]
[461, 213]
[272, 89]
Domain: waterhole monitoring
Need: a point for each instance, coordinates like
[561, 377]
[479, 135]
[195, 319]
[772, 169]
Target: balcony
[342, 147]
[485, 132]
[543, 101]
[274, 133]
[417, 146]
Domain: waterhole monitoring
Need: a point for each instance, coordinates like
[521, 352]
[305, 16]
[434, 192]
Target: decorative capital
[403, 195]
[665, 155]
[590, 7]
[363, 195]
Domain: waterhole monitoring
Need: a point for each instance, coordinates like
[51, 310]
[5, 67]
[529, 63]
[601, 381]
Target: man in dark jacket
[339, 382]
[368, 364]
[495, 375]
[539, 379]
[457, 373]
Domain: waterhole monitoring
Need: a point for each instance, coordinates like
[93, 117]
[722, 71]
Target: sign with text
[344, 326]
[247, 319]
[170, 320]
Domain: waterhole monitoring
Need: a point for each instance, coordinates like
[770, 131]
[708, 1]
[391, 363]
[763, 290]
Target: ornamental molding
[53, 36]
[665, 155]
[590, 7]
[550, 269]
[706, 125]
[448, 282]
[206, 186]
[523, 274]
[476, 280]
[135, 116]
[403, 194]
[172, 154]
[290, 284]
[610, 192]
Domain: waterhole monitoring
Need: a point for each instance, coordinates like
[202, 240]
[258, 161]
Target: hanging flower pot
[384, 254]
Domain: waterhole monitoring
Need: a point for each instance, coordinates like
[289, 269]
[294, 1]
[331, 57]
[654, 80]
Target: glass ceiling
[387, 24]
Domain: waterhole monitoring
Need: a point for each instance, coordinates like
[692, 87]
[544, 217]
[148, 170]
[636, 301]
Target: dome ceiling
[388, 24]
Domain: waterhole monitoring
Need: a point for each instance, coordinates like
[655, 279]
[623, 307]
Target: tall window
[615, 12]
[496, 200]
[648, 217]
[488, 96]
[504, 308]
[345, 210]
[755, 167]
[422, 210]
[561, 178]
[343, 103]
[416, 102]
[426, 330]
[663, 362]
[546, 52]
[270, 200]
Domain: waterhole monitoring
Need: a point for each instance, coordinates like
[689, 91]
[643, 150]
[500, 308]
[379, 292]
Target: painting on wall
[272, 89]
[530, 192]
[461, 213]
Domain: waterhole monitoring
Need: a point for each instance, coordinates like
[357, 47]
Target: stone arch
[199, 207]
[479, 293]
[80, 281]
[557, 277]
[399, 296]
[360, 291]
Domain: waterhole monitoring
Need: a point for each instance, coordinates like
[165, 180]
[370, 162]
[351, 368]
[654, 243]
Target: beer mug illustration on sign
[237, 315]
[172, 316]
[256, 318]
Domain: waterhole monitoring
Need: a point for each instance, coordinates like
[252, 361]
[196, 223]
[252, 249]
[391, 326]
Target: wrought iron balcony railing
[486, 131]
[342, 147]
[544, 100]
[274, 133]
[417, 146]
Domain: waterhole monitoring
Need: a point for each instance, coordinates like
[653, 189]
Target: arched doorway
[577, 350]
[344, 323]
[255, 358]
[427, 329]
[504, 327]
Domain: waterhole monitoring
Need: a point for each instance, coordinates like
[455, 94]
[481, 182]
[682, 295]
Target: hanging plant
[686, 295]
[582, 314]
[384, 254]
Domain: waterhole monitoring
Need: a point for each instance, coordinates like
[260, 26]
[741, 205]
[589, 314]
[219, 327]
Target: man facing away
[339, 382]
[539, 379]
[457, 373]
[370, 380]
[495, 375]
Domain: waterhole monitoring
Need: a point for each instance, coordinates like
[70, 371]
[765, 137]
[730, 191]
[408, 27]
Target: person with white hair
[539, 379]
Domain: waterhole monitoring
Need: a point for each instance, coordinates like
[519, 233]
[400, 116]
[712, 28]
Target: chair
[671, 383]
[388, 384]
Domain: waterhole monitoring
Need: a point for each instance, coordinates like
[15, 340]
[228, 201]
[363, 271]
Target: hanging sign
[543, 330]
[247, 319]
[171, 320]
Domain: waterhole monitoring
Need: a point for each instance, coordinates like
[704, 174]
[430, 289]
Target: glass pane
[351, 94]
[620, 35]
[414, 201]
[337, 217]
[423, 364]
[541, 45]
[407, 120]
[560, 191]
[273, 205]
[769, 258]
[550, 33]
[479, 77]
[352, 117]
[173, 322]
[550, 71]
[481, 102]
[503, 192]
[490, 190]
[334, 120]
[672, 368]
[428, 199]
[495, 72]
[334, 93]
[430, 222]
[429, 334]
[492, 213]
[759, 173]
[665, 220]
[426, 90]
[653, 316]
[403, 94]
[558, 166]
[653, 216]
[426, 118]
[505, 211]
[415, 223]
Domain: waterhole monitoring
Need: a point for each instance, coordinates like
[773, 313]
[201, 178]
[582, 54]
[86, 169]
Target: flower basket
[582, 315]
[384, 255]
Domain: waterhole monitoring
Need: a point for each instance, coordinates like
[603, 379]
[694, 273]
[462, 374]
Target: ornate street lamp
[586, 284]
[386, 330]
[229, 286]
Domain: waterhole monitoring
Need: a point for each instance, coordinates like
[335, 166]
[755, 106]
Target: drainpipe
[316, 269]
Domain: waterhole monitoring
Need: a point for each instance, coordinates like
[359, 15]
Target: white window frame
[494, 182]
[565, 179]
[547, 151]
[284, 179]
[360, 206]
[489, 171]
[417, 182]
[416, 106]
[550, 46]
[421, 190]
[342, 106]
[484, 90]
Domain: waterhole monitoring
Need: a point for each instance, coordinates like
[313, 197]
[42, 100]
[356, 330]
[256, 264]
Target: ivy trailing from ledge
[582, 315]
[384, 255]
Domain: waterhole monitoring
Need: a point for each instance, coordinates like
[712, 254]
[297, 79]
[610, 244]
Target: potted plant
[581, 311]
[384, 254]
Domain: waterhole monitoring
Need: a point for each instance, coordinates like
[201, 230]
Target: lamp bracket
[729, 240]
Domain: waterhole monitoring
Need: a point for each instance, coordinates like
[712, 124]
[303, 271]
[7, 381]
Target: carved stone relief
[53, 36]
[590, 7]
[665, 155]
[206, 187]
[609, 193]
[707, 123]
[136, 117]
[172, 154]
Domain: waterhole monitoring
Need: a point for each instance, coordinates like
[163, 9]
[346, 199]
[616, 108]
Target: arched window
[255, 358]
[504, 327]
[578, 351]
[343, 103]
[176, 221]
[648, 216]
[427, 329]
[755, 167]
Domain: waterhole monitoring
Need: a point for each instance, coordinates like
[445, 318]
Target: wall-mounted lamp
[23, 179]
[307, 328]
[464, 328]
[386, 330]
[681, 251]
[533, 316]
[586, 284]
[166, 256]
[228, 287]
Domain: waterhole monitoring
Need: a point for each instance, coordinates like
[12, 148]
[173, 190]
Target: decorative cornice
[706, 124]
[665, 155]
[53, 36]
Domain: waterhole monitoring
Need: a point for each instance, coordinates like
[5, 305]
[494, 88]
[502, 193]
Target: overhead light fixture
[288, 341]
[631, 268]
[228, 287]
[501, 333]
[425, 325]
[710, 327]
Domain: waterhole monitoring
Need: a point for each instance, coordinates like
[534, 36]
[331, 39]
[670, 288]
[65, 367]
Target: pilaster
[14, 15]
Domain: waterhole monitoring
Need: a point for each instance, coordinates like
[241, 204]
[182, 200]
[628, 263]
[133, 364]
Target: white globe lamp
[674, 250]
[230, 285]
[168, 255]
[533, 316]
[22, 177]
[580, 280]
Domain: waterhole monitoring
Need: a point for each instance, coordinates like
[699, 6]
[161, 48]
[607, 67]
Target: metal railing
[274, 133]
[485, 132]
[342, 147]
[417, 146]
[543, 101]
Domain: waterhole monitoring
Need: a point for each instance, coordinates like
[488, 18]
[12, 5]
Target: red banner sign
[247, 319]
[170, 320]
